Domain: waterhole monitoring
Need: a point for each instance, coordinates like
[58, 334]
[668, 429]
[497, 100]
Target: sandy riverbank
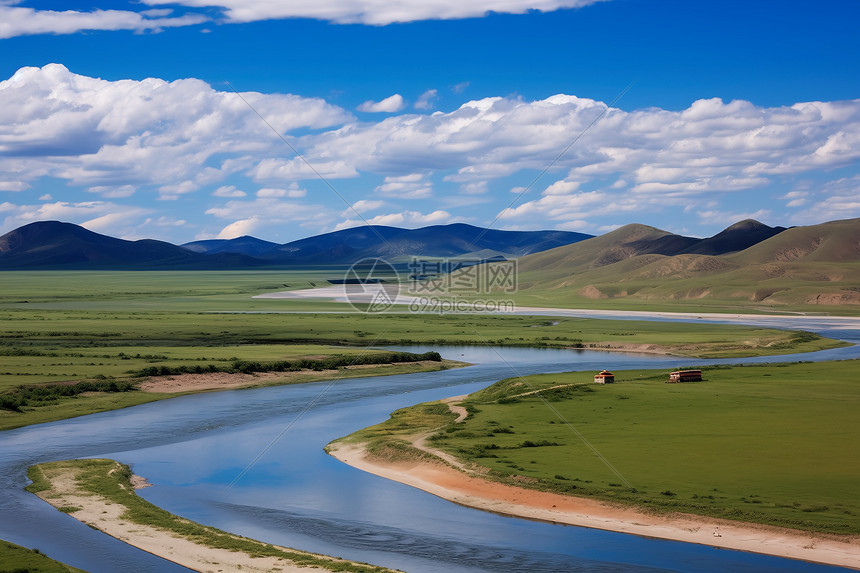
[179, 383]
[458, 487]
[65, 493]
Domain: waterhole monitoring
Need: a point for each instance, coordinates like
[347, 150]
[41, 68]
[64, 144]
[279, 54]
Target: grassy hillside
[14, 558]
[833, 242]
[811, 269]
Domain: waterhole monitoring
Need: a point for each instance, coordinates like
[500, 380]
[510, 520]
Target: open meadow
[74, 343]
[17, 558]
[106, 331]
[771, 444]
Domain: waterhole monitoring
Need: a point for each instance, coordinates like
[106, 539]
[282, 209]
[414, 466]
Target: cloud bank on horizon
[182, 159]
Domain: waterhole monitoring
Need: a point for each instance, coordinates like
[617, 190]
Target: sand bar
[99, 512]
[336, 293]
[208, 381]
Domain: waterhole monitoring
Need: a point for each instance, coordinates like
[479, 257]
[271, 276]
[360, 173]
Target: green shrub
[40, 394]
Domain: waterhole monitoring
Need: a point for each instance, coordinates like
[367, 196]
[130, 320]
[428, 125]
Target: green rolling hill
[800, 267]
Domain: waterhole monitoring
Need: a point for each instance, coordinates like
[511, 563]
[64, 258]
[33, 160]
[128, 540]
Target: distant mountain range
[245, 245]
[394, 244]
[56, 245]
[748, 262]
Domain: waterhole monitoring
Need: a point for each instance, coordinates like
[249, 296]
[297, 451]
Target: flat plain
[66, 327]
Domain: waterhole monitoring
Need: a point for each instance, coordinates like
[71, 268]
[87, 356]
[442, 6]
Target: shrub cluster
[328, 363]
[804, 336]
[34, 395]
[538, 444]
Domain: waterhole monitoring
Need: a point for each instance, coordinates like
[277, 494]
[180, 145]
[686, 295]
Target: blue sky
[521, 114]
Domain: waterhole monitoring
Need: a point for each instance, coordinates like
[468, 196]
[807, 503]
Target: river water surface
[252, 462]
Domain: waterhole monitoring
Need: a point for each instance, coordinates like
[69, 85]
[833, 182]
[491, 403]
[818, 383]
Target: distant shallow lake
[252, 462]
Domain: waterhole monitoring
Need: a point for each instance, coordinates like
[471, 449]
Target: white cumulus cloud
[293, 192]
[20, 21]
[641, 160]
[391, 104]
[239, 228]
[412, 186]
[265, 215]
[113, 192]
[407, 219]
[364, 205]
[100, 216]
[175, 135]
[374, 12]
[228, 191]
[836, 199]
[13, 186]
[172, 140]
[426, 101]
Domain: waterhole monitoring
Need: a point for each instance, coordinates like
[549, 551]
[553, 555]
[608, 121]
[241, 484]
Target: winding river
[252, 462]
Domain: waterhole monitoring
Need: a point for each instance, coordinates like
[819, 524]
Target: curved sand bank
[337, 293]
[66, 493]
[454, 485]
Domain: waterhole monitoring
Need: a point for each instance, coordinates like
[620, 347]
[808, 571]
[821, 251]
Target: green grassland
[48, 361]
[111, 480]
[55, 406]
[180, 316]
[65, 327]
[17, 559]
[772, 444]
[749, 289]
[164, 289]
[40, 346]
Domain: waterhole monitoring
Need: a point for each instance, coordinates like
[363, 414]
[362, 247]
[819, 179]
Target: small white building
[604, 377]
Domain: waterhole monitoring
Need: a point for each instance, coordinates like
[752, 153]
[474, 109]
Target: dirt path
[419, 441]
